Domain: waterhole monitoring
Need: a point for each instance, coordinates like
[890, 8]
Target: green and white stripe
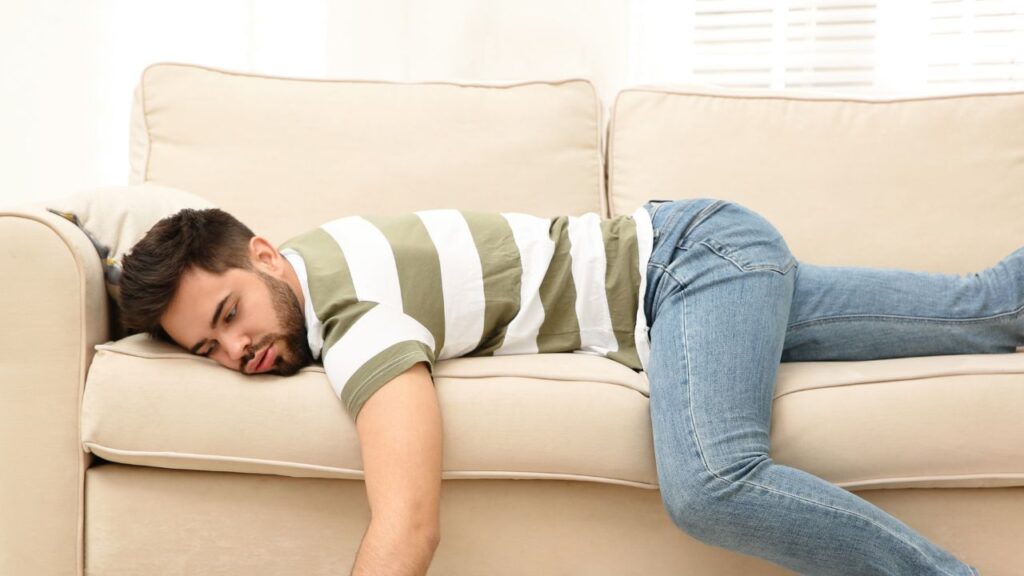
[383, 293]
[588, 274]
[535, 251]
[462, 280]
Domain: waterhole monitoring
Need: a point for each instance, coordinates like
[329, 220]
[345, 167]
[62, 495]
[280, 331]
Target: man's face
[246, 320]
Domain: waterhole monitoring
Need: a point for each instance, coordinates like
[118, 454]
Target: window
[786, 44]
[975, 42]
[872, 46]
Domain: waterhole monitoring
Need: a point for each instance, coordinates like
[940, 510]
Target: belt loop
[656, 204]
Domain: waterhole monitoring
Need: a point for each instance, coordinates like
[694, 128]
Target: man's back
[383, 293]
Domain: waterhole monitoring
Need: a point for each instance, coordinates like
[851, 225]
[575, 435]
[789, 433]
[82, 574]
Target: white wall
[68, 67]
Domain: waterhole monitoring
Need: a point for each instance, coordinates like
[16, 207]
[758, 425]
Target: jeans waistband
[671, 220]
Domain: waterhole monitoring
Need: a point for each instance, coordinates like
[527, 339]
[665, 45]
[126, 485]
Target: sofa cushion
[940, 421]
[287, 154]
[918, 422]
[555, 416]
[929, 183]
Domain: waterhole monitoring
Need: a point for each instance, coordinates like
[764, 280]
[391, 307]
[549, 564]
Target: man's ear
[264, 255]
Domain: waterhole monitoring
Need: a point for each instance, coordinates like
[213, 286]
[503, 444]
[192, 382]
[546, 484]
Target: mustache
[252, 349]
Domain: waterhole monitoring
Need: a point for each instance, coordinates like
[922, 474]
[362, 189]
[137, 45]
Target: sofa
[126, 456]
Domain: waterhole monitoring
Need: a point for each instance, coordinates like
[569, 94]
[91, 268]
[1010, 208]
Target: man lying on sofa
[379, 303]
[380, 299]
[203, 280]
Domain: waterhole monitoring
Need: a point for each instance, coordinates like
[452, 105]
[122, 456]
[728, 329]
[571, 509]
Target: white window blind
[975, 41]
[834, 45]
[784, 44]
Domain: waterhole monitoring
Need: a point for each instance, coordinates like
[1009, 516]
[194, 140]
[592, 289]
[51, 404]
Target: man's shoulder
[306, 243]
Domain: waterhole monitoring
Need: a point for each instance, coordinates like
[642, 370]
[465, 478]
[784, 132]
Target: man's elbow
[423, 533]
[429, 531]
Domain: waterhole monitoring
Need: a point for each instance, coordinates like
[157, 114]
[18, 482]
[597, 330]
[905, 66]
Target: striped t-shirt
[385, 292]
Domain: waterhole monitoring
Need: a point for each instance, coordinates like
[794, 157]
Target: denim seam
[899, 318]
[668, 271]
[675, 216]
[661, 283]
[700, 450]
[822, 504]
[700, 218]
[749, 268]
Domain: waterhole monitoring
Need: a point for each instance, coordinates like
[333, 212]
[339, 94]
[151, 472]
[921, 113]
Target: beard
[294, 352]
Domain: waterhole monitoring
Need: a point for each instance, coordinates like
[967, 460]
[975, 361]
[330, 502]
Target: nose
[236, 346]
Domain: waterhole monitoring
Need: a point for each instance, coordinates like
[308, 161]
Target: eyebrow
[213, 322]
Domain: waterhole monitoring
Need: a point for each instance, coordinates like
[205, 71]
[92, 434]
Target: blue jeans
[726, 301]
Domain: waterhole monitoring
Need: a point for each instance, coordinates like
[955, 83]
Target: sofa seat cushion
[919, 422]
[940, 421]
[558, 416]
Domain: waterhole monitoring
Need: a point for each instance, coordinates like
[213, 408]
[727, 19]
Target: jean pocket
[747, 240]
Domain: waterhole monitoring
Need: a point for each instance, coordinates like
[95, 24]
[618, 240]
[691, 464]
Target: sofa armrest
[54, 309]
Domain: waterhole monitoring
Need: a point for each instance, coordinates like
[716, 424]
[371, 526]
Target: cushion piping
[352, 473]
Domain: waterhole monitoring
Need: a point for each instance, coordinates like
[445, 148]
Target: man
[702, 294]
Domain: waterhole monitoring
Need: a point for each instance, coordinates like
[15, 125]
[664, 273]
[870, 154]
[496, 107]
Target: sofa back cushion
[286, 154]
[928, 183]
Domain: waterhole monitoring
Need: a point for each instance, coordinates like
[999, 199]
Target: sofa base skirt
[154, 521]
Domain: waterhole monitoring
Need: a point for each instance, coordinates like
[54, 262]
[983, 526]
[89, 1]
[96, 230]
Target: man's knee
[694, 503]
[695, 513]
[702, 507]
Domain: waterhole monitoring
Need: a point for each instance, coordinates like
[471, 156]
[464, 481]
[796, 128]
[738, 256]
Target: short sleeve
[380, 345]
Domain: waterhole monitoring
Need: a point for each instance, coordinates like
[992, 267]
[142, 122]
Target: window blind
[843, 45]
[975, 41]
[797, 43]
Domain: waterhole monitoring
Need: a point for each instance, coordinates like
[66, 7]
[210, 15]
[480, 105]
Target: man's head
[203, 280]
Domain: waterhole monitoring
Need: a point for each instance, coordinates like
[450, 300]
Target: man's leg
[719, 295]
[851, 313]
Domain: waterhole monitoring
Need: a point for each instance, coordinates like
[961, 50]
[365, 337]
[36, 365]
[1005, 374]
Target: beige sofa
[130, 457]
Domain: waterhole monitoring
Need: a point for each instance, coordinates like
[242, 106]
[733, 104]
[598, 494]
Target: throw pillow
[116, 218]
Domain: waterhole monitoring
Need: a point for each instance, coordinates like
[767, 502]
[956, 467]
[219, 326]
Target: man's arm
[400, 438]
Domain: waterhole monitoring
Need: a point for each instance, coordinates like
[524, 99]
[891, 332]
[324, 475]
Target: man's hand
[400, 438]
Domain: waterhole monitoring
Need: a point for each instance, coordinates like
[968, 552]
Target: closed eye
[227, 320]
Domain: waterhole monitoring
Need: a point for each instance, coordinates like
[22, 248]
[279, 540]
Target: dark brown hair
[210, 239]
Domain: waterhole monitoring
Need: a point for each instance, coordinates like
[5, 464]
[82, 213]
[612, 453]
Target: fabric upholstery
[138, 458]
[54, 309]
[925, 183]
[284, 154]
[116, 218]
[149, 403]
[221, 523]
